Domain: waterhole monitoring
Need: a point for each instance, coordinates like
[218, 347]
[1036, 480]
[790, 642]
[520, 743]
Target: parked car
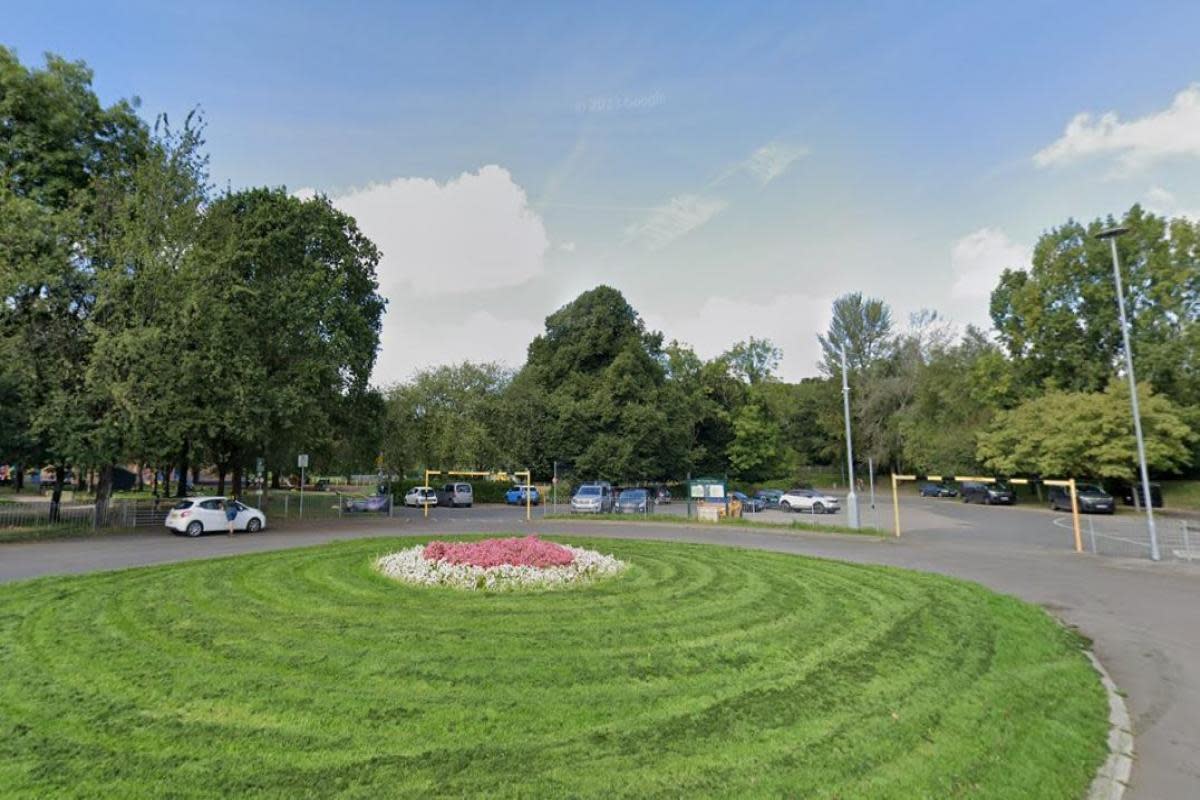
[516, 495]
[593, 498]
[938, 490]
[420, 496]
[634, 501]
[662, 496]
[770, 497]
[321, 485]
[809, 500]
[1092, 499]
[1124, 490]
[378, 502]
[455, 495]
[197, 515]
[752, 505]
[988, 493]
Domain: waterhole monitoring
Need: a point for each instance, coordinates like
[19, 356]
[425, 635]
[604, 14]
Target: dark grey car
[1092, 499]
[634, 501]
[989, 494]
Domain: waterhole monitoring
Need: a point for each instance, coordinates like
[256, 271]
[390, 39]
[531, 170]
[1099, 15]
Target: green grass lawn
[701, 671]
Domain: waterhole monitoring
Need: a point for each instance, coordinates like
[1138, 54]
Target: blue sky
[730, 167]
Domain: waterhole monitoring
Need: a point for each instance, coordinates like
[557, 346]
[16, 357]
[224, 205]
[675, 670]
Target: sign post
[258, 470]
[302, 462]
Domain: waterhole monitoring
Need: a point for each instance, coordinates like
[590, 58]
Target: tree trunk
[184, 452]
[237, 479]
[104, 478]
[221, 470]
[195, 475]
[275, 479]
[166, 481]
[141, 476]
[56, 497]
[19, 478]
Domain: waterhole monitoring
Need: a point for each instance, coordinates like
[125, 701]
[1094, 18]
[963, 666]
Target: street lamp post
[1111, 234]
[851, 497]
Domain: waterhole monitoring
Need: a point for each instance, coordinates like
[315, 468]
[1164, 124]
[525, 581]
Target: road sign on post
[302, 462]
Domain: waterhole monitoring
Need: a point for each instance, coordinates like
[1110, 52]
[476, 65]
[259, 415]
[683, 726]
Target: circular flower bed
[498, 564]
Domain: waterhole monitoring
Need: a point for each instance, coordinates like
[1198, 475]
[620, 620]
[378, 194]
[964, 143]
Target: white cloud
[791, 321]
[679, 216]
[1138, 143]
[772, 160]
[409, 343]
[567, 247]
[1164, 203]
[978, 258]
[474, 231]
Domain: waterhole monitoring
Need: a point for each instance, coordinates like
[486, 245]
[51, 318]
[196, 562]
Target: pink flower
[527, 552]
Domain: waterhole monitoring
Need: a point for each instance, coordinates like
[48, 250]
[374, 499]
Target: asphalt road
[1143, 618]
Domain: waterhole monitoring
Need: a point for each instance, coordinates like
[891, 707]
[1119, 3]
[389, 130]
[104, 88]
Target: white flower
[411, 566]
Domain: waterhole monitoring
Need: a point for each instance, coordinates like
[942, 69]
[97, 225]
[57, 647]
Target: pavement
[1142, 617]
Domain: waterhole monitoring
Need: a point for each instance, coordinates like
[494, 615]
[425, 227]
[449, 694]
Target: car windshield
[1001, 487]
[182, 504]
[1089, 488]
[589, 491]
[633, 494]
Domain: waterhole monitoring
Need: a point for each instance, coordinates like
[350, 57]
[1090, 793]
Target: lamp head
[1112, 233]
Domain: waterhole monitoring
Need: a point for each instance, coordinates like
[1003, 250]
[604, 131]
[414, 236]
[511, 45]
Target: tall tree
[754, 360]
[603, 377]
[864, 326]
[1058, 318]
[58, 146]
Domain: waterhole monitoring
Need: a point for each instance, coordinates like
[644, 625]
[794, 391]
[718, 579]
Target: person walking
[231, 512]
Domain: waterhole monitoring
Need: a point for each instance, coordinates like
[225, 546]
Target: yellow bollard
[1075, 516]
[896, 505]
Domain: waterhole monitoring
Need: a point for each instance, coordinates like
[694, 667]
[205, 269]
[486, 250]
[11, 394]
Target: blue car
[516, 495]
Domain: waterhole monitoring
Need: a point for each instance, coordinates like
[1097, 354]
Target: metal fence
[21, 520]
[1127, 537]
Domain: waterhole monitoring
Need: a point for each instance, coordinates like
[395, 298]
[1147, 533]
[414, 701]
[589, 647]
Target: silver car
[593, 498]
[456, 495]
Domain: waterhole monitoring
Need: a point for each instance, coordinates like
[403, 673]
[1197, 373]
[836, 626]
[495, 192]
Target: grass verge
[740, 522]
[701, 671]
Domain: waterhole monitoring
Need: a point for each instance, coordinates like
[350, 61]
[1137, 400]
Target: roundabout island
[693, 670]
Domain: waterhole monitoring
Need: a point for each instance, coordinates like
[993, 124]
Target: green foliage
[1085, 434]
[958, 390]
[448, 417]
[1058, 319]
[754, 452]
[754, 360]
[604, 390]
[863, 325]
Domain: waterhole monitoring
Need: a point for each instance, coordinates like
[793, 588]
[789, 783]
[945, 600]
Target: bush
[484, 491]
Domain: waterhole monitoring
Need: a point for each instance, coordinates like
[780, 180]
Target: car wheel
[254, 525]
[818, 508]
[194, 529]
[785, 507]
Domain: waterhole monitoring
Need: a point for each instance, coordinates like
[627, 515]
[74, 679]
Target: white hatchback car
[421, 496]
[197, 515]
[809, 500]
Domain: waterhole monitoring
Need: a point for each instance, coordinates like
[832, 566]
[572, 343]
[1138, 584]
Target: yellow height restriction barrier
[528, 493]
[458, 473]
[1068, 483]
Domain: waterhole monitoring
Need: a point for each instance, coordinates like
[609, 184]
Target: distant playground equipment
[1068, 483]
